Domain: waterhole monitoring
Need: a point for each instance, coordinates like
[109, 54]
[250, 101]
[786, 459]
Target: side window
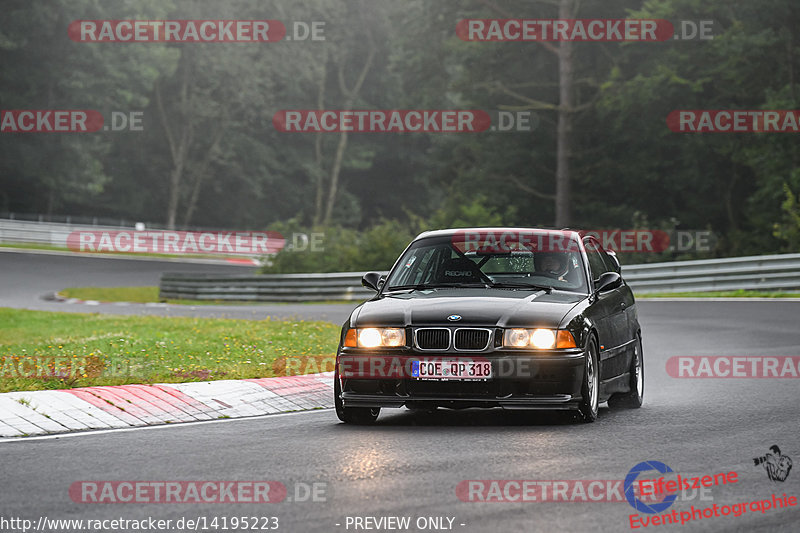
[597, 259]
[417, 268]
[611, 264]
[422, 267]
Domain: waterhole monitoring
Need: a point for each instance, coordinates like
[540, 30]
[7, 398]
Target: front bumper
[541, 381]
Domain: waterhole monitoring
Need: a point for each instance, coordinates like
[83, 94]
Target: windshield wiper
[512, 285]
[438, 286]
[407, 287]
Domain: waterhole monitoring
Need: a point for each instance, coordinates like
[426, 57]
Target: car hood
[477, 307]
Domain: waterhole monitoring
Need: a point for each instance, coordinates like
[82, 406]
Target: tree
[44, 69]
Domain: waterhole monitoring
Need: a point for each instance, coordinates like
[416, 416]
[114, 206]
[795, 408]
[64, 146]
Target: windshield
[439, 262]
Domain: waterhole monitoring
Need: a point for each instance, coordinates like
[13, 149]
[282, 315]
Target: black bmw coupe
[493, 317]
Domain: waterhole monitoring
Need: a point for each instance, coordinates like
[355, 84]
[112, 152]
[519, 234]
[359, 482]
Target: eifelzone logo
[630, 483]
[776, 464]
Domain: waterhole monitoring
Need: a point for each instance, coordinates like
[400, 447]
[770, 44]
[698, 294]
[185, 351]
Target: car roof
[499, 230]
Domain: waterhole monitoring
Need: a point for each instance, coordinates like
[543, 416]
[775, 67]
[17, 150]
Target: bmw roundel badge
[454, 318]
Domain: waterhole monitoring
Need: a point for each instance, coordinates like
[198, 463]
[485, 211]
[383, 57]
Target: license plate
[451, 369]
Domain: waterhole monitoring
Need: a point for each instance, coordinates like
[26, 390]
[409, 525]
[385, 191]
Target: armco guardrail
[771, 272]
[56, 234]
[344, 286]
[761, 272]
[47, 233]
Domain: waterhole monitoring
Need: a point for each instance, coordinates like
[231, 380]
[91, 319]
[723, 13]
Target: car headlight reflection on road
[375, 337]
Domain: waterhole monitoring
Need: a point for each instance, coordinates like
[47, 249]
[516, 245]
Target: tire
[633, 399]
[360, 416]
[590, 392]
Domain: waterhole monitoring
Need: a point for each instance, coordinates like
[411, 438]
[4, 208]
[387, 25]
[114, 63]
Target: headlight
[370, 338]
[375, 337]
[541, 339]
[518, 338]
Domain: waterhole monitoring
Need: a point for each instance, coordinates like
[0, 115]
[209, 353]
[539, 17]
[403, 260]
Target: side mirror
[608, 281]
[373, 280]
[613, 256]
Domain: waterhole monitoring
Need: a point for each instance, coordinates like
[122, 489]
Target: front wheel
[633, 399]
[352, 415]
[589, 390]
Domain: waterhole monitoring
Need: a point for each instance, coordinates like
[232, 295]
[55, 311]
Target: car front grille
[463, 339]
[433, 338]
[471, 339]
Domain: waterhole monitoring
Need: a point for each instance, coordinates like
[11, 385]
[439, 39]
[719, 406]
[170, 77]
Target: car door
[629, 305]
[610, 315]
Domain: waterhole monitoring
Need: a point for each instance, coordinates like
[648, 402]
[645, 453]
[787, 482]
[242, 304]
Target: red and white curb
[122, 406]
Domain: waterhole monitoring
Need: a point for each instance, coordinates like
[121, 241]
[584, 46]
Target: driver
[552, 264]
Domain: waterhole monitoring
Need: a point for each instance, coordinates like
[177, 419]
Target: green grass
[150, 295]
[131, 294]
[113, 294]
[44, 350]
[32, 246]
[741, 293]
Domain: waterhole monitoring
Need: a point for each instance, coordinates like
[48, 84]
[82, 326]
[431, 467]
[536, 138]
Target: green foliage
[44, 69]
[789, 229]
[377, 247]
[344, 249]
[628, 169]
[459, 212]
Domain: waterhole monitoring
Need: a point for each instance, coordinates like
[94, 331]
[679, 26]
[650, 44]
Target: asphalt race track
[26, 278]
[409, 465]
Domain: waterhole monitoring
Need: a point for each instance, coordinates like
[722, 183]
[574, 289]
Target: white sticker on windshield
[411, 261]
